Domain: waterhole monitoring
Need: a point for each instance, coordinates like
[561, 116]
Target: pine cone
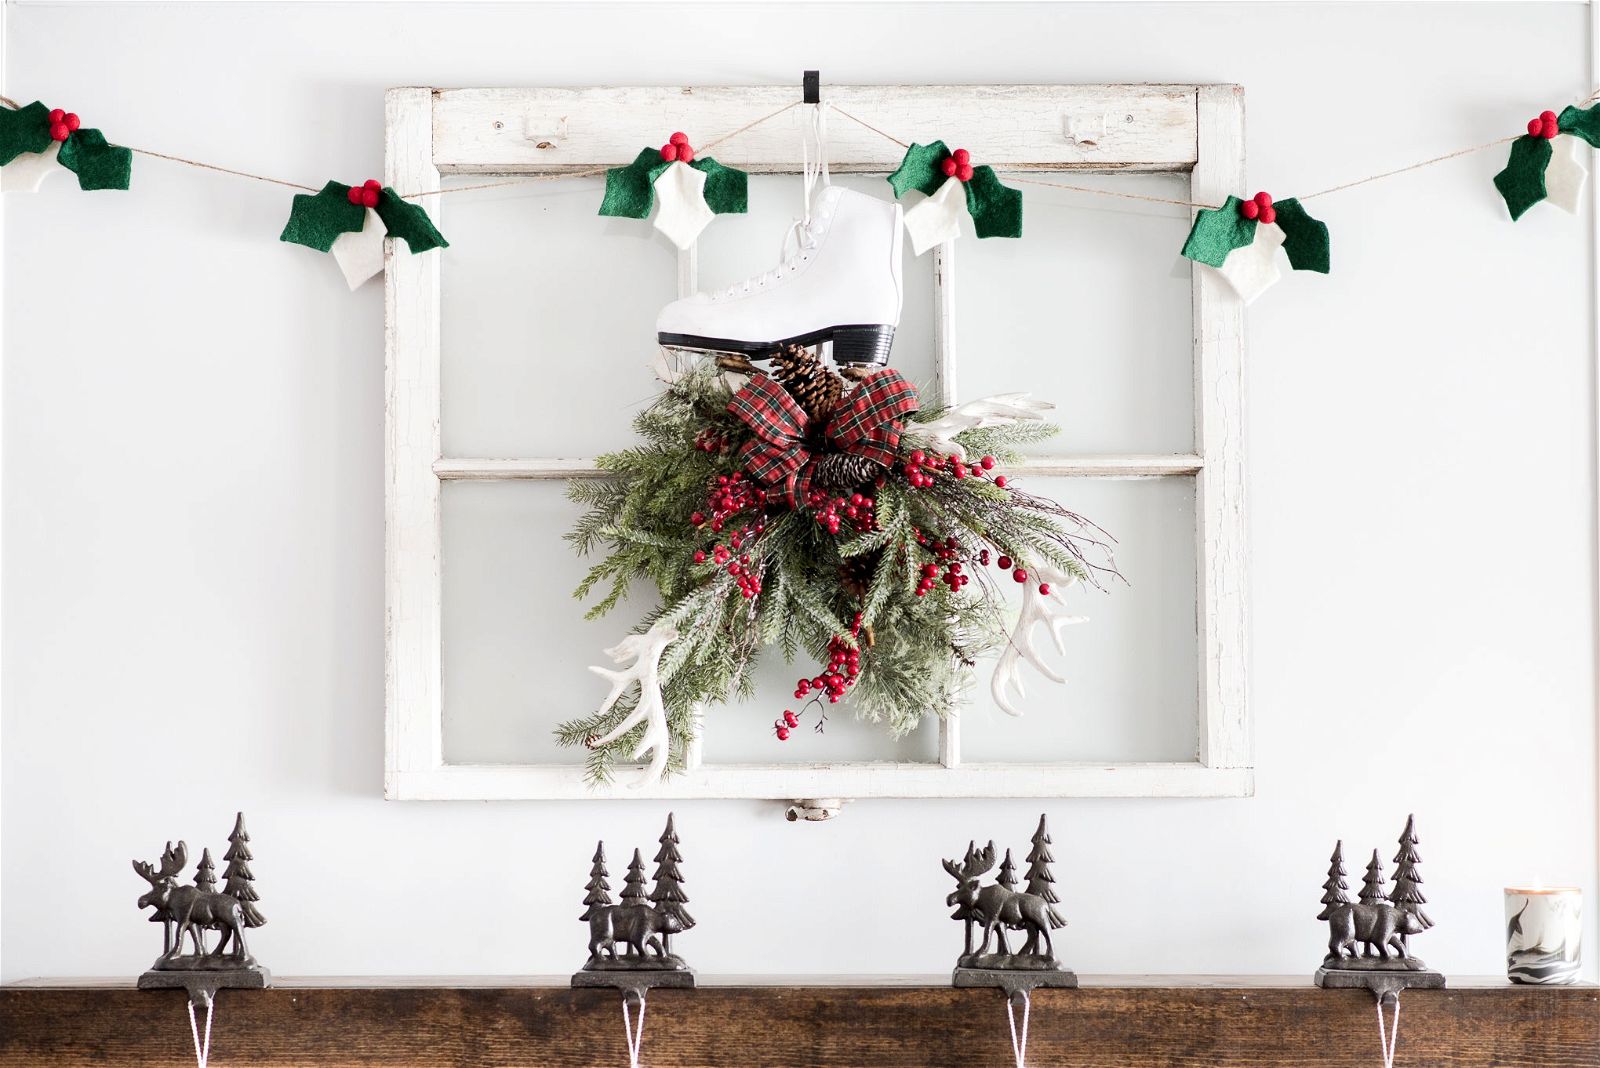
[808, 380]
[844, 471]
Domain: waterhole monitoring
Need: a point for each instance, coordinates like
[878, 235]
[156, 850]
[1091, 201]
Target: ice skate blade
[854, 344]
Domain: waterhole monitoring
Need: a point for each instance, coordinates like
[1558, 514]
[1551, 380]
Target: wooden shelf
[810, 1022]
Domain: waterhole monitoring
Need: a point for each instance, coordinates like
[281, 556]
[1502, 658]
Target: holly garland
[352, 221]
[1547, 162]
[1240, 240]
[846, 526]
[691, 191]
[34, 139]
[950, 182]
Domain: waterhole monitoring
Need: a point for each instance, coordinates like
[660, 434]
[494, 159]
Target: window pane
[1090, 309]
[1131, 692]
[549, 318]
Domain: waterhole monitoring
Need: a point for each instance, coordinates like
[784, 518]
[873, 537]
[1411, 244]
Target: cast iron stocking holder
[1380, 921]
[997, 908]
[640, 923]
[190, 911]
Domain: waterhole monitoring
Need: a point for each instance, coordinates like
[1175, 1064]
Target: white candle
[1544, 932]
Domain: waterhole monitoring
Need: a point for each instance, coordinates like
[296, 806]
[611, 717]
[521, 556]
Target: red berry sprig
[727, 496]
[958, 165]
[62, 124]
[366, 194]
[1545, 125]
[677, 148]
[1259, 208]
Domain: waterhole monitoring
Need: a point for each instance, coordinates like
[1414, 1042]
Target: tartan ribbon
[866, 424]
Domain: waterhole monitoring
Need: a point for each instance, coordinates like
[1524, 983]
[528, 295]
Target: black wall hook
[811, 87]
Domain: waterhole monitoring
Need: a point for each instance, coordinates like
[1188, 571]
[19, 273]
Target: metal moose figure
[1381, 921]
[189, 911]
[999, 907]
[630, 943]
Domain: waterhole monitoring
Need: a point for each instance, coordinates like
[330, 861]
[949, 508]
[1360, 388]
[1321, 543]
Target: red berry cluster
[920, 468]
[1019, 574]
[782, 727]
[1259, 208]
[844, 664]
[677, 148]
[945, 569]
[366, 194]
[727, 496]
[1544, 125]
[62, 124]
[832, 513]
[958, 165]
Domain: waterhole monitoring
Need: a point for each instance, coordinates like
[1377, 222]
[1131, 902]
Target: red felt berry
[685, 153]
[1000, 480]
[679, 138]
[964, 172]
[1020, 574]
[372, 183]
[1269, 215]
[1004, 563]
[961, 156]
[949, 166]
[59, 132]
[1263, 200]
[72, 122]
[1535, 127]
[354, 196]
[1551, 128]
[783, 734]
[1547, 116]
[369, 198]
[987, 463]
[56, 115]
[669, 152]
[1249, 209]
[1044, 589]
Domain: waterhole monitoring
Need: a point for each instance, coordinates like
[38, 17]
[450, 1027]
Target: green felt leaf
[1305, 239]
[996, 209]
[727, 189]
[1217, 232]
[1581, 122]
[316, 221]
[1522, 182]
[919, 170]
[630, 190]
[408, 222]
[97, 164]
[23, 130]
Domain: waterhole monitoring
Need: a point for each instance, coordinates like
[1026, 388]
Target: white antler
[1047, 608]
[990, 411]
[640, 657]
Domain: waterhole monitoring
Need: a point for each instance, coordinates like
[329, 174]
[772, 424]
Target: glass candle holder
[1544, 934]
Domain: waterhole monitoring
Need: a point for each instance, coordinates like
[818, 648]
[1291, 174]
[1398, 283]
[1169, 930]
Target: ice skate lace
[805, 233]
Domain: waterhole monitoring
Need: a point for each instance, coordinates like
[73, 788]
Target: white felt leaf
[23, 174]
[1253, 270]
[681, 208]
[1566, 174]
[360, 252]
[938, 218]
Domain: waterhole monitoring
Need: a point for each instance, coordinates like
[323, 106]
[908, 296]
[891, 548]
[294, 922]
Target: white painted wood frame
[1173, 128]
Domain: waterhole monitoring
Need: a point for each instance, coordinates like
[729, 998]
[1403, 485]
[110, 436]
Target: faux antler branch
[1047, 608]
[640, 657]
[990, 411]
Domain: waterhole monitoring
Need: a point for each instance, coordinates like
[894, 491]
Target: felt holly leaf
[1305, 240]
[1581, 122]
[408, 222]
[996, 209]
[97, 164]
[727, 188]
[1217, 232]
[1522, 181]
[24, 130]
[316, 221]
[919, 170]
[629, 190]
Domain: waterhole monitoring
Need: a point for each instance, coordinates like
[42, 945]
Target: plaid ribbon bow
[866, 424]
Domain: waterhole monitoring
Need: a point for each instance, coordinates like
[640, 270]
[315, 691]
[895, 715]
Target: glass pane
[1132, 670]
[1090, 309]
[735, 247]
[549, 318]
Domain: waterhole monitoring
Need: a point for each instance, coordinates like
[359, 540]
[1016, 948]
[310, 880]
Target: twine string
[1386, 1043]
[634, 1035]
[202, 1050]
[1019, 1043]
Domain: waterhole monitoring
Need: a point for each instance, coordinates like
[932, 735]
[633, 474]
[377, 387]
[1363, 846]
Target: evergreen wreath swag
[792, 509]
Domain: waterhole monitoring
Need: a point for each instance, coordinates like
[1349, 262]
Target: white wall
[193, 595]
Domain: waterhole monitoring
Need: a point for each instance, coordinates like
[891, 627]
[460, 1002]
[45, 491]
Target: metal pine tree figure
[1372, 892]
[237, 878]
[1040, 882]
[599, 890]
[633, 883]
[1333, 890]
[1407, 892]
[668, 892]
[1007, 876]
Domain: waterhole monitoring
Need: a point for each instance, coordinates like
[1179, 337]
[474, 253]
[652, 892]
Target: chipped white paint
[529, 131]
